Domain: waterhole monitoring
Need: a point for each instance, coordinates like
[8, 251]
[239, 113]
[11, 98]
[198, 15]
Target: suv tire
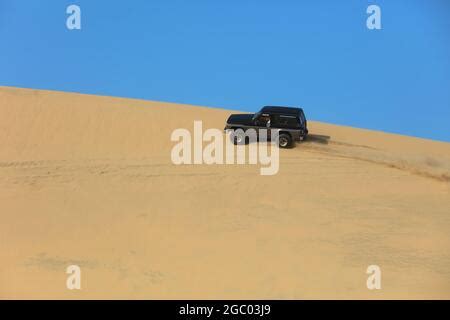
[285, 140]
[239, 137]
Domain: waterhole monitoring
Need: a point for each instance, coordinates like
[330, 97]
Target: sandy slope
[88, 180]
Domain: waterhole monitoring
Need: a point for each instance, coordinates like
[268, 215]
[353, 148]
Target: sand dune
[88, 180]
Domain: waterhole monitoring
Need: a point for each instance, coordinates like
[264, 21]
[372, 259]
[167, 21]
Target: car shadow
[317, 138]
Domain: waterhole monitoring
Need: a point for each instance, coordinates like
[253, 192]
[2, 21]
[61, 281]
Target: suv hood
[245, 119]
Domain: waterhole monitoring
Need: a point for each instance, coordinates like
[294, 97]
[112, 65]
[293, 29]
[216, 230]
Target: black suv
[289, 123]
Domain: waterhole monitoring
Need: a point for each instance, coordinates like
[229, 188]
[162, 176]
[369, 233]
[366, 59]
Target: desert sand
[88, 180]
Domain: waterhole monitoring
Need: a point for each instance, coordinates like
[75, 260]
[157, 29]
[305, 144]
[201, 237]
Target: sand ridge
[88, 180]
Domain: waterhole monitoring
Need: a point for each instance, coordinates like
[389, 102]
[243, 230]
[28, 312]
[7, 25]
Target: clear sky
[244, 54]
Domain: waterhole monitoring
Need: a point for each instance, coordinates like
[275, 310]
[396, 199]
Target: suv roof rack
[284, 110]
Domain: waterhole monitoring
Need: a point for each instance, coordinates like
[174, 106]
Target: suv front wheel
[285, 140]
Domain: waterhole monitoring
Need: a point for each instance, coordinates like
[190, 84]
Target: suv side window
[263, 119]
[284, 121]
[302, 118]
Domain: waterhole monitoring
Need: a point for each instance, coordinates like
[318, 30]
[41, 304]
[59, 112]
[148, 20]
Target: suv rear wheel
[239, 137]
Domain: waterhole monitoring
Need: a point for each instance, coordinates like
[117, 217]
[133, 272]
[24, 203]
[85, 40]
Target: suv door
[264, 123]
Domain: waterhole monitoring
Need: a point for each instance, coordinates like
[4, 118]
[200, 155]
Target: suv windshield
[256, 115]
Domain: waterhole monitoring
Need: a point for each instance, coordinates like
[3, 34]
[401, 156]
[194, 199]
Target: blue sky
[243, 55]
